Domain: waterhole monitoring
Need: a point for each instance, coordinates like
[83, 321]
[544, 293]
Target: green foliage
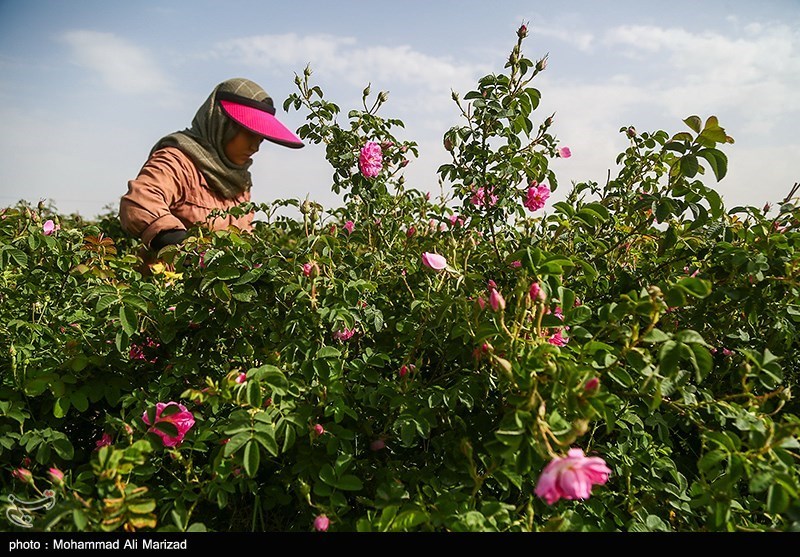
[329, 371]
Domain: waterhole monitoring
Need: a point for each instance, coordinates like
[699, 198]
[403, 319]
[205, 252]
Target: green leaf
[142, 507]
[61, 407]
[289, 438]
[276, 380]
[675, 297]
[266, 438]
[128, 320]
[709, 461]
[621, 376]
[79, 401]
[244, 293]
[656, 335]
[703, 361]
[7, 253]
[135, 301]
[105, 302]
[777, 499]
[236, 442]
[169, 410]
[699, 288]
[327, 476]
[409, 519]
[222, 292]
[348, 482]
[664, 209]
[689, 336]
[677, 146]
[80, 519]
[717, 160]
[63, 448]
[252, 458]
[689, 166]
[329, 352]
[226, 273]
[168, 428]
[254, 394]
[669, 357]
[694, 122]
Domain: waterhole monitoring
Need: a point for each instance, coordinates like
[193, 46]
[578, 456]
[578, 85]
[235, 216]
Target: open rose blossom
[537, 196]
[434, 261]
[49, 227]
[344, 334]
[370, 160]
[104, 441]
[571, 477]
[183, 420]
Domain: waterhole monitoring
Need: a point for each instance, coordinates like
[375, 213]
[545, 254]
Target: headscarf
[204, 142]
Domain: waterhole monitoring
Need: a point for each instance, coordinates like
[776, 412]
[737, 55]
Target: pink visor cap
[258, 117]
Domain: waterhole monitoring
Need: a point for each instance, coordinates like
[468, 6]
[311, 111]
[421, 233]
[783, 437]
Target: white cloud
[580, 40]
[756, 73]
[122, 65]
[426, 80]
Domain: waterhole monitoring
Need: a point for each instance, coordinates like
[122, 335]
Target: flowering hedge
[486, 361]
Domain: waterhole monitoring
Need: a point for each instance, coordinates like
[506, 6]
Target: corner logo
[18, 511]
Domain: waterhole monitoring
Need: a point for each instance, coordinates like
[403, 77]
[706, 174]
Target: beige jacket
[169, 194]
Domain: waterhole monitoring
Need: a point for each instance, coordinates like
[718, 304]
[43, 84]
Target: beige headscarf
[205, 141]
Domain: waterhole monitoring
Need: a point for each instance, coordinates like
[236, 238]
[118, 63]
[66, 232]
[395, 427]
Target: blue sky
[87, 87]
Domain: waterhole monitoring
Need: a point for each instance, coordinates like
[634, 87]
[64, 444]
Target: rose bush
[486, 361]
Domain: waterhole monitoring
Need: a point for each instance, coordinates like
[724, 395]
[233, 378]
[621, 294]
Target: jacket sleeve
[144, 211]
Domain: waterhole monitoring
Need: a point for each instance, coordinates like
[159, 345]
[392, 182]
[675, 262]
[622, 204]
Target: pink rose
[349, 225]
[344, 334]
[318, 429]
[536, 292]
[557, 339]
[321, 523]
[537, 196]
[592, 384]
[434, 261]
[24, 475]
[49, 227]
[496, 300]
[183, 420]
[571, 477]
[370, 161]
[564, 153]
[411, 231]
[484, 197]
[104, 441]
[241, 378]
[56, 476]
[377, 445]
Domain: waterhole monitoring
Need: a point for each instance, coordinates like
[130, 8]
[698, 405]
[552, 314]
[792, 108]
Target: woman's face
[242, 146]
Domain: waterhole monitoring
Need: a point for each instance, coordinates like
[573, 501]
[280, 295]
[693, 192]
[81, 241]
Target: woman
[191, 172]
